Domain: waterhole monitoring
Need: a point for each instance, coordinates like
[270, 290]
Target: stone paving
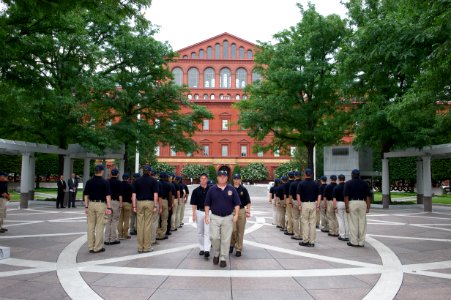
[407, 256]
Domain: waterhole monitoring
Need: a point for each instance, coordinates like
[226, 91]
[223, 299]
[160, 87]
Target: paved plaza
[407, 256]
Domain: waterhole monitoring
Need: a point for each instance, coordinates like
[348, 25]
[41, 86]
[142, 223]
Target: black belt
[309, 201]
[201, 209]
[221, 215]
[97, 201]
[143, 200]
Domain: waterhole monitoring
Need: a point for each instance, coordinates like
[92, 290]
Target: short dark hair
[203, 174]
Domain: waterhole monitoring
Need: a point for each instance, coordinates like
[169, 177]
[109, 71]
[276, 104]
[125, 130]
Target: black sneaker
[133, 232]
[238, 253]
[231, 249]
[311, 245]
[207, 254]
[324, 230]
[107, 243]
[115, 242]
[216, 260]
[223, 264]
[201, 253]
[101, 250]
[351, 245]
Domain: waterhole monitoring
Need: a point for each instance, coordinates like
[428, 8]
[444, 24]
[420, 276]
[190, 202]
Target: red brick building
[216, 71]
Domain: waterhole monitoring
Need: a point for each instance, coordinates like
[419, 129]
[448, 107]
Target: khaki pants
[289, 218]
[281, 209]
[238, 231]
[296, 216]
[274, 212]
[221, 229]
[133, 225]
[96, 225]
[342, 218]
[112, 222]
[124, 220]
[161, 232]
[323, 213]
[181, 212]
[332, 218]
[174, 215]
[357, 222]
[309, 222]
[154, 226]
[144, 215]
[3, 202]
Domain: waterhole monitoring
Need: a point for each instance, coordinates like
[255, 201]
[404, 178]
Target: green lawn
[444, 199]
[41, 194]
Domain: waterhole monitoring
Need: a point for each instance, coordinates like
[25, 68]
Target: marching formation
[141, 206]
[339, 209]
[219, 210]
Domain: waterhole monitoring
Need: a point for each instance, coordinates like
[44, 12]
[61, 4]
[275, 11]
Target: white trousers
[342, 217]
[203, 231]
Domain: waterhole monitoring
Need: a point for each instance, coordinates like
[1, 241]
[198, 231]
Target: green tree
[212, 173]
[254, 172]
[299, 92]
[395, 65]
[82, 72]
[193, 170]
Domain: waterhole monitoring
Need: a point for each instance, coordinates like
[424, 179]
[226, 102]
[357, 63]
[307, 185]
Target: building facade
[216, 71]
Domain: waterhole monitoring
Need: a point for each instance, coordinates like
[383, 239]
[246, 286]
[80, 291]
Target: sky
[186, 22]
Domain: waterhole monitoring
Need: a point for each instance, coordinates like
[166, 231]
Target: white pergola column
[32, 173]
[427, 183]
[121, 167]
[105, 175]
[420, 181]
[66, 173]
[24, 181]
[86, 167]
[385, 184]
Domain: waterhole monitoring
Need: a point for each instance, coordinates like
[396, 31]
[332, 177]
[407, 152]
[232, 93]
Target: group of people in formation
[300, 206]
[143, 206]
[158, 203]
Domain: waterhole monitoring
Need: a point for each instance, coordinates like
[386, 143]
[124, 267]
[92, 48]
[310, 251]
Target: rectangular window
[157, 151]
[340, 151]
[260, 153]
[225, 150]
[243, 151]
[206, 150]
[206, 124]
[173, 151]
[276, 153]
[189, 154]
[225, 124]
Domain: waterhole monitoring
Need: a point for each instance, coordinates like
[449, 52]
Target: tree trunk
[126, 160]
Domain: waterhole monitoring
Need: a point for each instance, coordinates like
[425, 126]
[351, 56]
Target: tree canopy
[297, 99]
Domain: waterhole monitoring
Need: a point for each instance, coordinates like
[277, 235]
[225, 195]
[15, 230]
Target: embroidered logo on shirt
[229, 193]
[241, 193]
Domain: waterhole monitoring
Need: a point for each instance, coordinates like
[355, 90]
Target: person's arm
[207, 215]
[318, 201]
[237, 211]
[108, 210]
[347, 203]
[156, 202]
[134, 202]
[86, 199]
[368, 204]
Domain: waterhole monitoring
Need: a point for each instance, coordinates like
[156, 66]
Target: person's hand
[347, 210]
[194, 218]
[235, 218]
[207, 220]
[317, 209]
[161, 210]
[86, 210]
[367, 210]
[135, 210]
[248, 213]
[108, 211]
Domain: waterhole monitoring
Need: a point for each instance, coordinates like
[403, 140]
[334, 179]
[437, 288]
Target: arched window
[225, 78]
[212, 97]
[190, 97]
[185, 56]
[205, 96]
[201, 53]
[237, 97]
[241, 55]
[256, 76]
[241, 78]
[233, 52]
[209, 52]
[209, 78]
[225, 50]
[217, 51]
[221, 97]
[178, 76]
[193, 55]
[196, 96]
[193, 78]
[249, 54]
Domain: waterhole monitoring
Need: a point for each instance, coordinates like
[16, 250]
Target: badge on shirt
[241, 193]
[229, 193]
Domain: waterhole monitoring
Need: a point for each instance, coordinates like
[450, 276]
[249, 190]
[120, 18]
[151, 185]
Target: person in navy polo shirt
[222, 199]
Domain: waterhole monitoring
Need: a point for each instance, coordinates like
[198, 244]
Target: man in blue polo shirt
[222, 199]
